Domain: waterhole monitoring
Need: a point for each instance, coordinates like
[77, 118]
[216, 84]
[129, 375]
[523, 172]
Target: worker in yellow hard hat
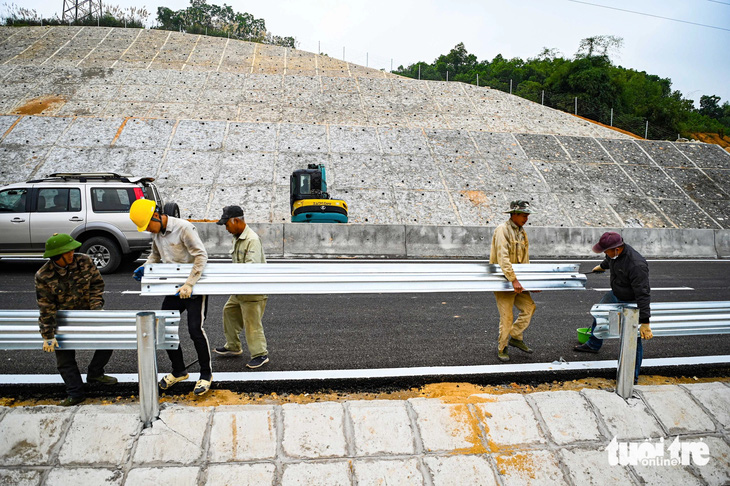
[176, 240]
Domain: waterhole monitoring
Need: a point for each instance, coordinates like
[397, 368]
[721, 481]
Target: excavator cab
[309, 200]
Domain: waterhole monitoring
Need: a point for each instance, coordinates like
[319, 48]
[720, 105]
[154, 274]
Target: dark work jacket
[630, 280]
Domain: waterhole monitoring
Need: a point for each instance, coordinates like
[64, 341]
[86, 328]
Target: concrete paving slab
[567, 415]
[625, 419]
[30, 435]
[260, 137]
[69, 476]
[457, 470]
[198, 135]
[381, 427]
[445, 426]
[664, 154]
[509, 420]
[241, 475]
[37, 131]
[146, 134]
[715, 397]
[243, 434]
[542, 147]
[151, 476]
[705, 155]
[20, 477]
[717, 471]
[429, 207]
[314, 430]
[675, 409]
[590, 467]
[584, 149]
[335, 473]
[118, 424]
[526, 468]
[401, 472]
[663, 475]
[685, 214]
[176, 438]
[353, 140]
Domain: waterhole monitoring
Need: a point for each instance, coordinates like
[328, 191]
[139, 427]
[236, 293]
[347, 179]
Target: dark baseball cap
[609, 240]
[230, 212]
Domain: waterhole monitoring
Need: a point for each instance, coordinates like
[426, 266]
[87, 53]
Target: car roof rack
[96, 176]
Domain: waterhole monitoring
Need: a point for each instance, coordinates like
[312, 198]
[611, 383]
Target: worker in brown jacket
[510, 245]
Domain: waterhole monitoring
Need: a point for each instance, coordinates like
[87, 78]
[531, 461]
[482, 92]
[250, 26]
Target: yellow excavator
[309, 200]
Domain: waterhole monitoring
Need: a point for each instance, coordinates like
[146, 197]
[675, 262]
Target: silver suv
[91, 207]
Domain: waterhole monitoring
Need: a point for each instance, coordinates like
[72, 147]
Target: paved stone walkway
[556, 437]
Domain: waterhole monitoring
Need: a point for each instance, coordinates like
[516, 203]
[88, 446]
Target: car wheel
[132, 257]
[103, 252]
[172, 209]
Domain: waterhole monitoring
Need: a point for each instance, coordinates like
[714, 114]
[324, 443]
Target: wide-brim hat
[609, 240]
[518, 207]
[58, 244]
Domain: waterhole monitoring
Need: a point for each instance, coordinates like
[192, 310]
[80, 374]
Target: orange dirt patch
[40, 105]
[475, 197]
[715, 138]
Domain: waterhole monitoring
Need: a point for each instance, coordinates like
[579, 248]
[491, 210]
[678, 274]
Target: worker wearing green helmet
[69, 281]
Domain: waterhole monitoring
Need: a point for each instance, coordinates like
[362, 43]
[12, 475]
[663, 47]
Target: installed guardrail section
[670, 318]
[348, 278]
[86, 329]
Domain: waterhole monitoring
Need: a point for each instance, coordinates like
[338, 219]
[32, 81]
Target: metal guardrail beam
[86, 329]
[671, 318]
[345, 278]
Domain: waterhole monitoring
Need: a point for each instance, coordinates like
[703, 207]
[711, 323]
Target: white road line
[652, 289]
[352, 374]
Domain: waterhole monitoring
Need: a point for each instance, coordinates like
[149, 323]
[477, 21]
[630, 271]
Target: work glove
[50, 345]
[598, 269]
[185, 291]
[138, 273]
[645, 331]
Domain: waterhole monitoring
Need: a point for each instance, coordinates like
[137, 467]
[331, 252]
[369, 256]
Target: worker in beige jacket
[176, 240]
[510, 245]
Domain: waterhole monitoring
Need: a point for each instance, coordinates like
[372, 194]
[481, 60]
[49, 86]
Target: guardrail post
[147, 365]
[629, 324]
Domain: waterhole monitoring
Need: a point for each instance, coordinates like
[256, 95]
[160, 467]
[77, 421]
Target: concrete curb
[290, 240]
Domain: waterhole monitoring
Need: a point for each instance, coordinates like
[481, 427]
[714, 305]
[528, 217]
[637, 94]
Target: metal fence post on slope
[367, 59]
[343, 53]
[576, 105]
[477, 80]
[510, 86]
[629, 328]
[542, 101]
[646, 130]
[611, 116]
[147, 365]
[419, 72]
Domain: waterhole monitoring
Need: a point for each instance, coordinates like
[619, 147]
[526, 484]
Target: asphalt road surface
[363, 331]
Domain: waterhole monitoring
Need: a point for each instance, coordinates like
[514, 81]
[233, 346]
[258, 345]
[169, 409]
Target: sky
[385, 33]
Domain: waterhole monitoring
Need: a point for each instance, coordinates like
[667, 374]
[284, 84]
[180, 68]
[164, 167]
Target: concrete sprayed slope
[221, 122]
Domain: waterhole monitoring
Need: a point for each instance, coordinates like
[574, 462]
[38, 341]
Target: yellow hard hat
[141, 211]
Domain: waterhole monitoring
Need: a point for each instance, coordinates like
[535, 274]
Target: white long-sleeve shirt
[180, 243]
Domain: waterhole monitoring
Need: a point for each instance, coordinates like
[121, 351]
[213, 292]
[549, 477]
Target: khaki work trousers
[239, 313]
[507, 328]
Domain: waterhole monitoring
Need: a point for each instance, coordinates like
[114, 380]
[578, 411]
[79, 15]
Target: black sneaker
[584, 348]
[257, 362]
[71, 401]
[103, 379]
[223, 351]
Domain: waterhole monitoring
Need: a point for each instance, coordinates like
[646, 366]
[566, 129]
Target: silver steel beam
[147, 365]
[85, 329]
[345, 278]
[672, 318]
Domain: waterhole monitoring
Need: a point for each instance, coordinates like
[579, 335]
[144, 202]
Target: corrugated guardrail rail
[86, 329]
[347, 278]
[671, 318]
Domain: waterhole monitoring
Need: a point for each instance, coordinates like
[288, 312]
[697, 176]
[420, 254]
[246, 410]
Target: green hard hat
[58, 244]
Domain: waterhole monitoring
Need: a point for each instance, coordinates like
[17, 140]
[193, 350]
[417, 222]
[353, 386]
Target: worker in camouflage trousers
[69, 281]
